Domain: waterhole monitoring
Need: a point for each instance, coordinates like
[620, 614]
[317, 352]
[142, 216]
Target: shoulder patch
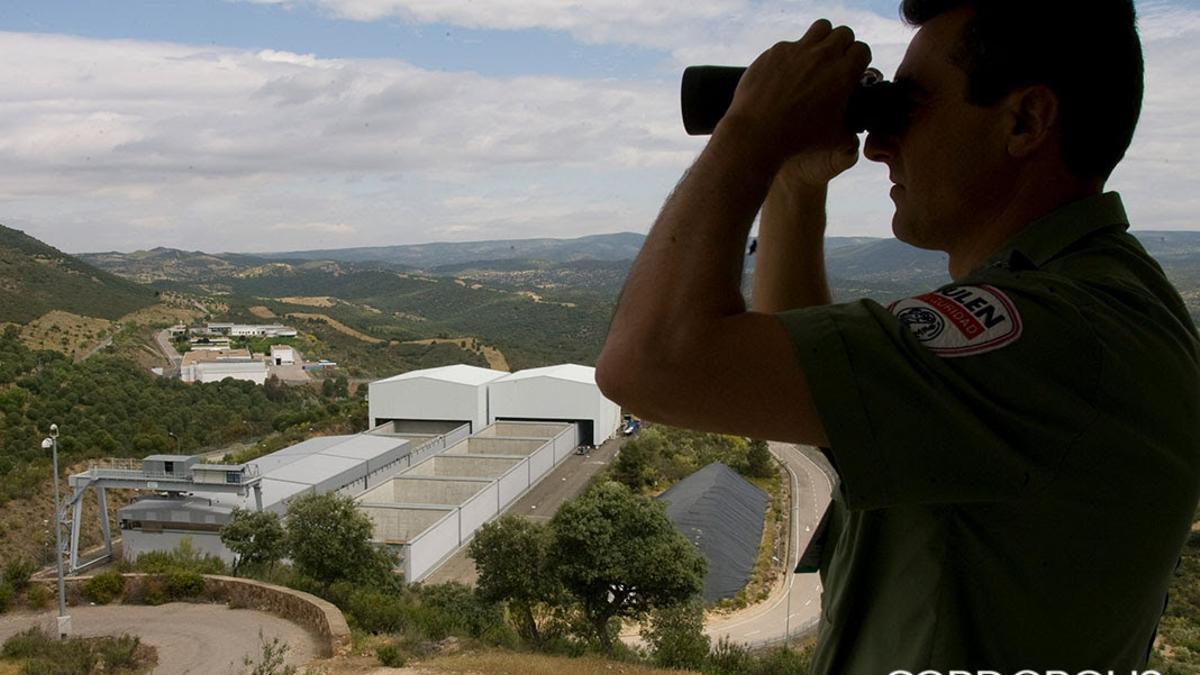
[961, 320]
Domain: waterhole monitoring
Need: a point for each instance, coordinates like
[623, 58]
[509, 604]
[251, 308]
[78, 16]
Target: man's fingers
[857, 58]
[839, 39]
[817, 31]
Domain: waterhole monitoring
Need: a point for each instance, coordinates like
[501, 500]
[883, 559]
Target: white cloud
[128, 144]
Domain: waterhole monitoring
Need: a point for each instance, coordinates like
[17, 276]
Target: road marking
[808, 602]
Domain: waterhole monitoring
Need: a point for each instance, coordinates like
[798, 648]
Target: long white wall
[511, 478]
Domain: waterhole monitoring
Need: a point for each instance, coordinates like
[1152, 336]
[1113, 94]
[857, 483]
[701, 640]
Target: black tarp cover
[722, 514]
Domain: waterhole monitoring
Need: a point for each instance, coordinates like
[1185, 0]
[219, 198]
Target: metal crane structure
[172, 474]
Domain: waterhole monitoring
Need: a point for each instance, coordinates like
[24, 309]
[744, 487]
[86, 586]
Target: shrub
[185, 556]
[18, 572]
[26, 644]
[38, 596]
[784, 662]
[120, 652]
[45, 655]
[271, 661]
[729, 658]
[376, 612]
[6, 595]
[153, 591]
[459, 610]
[104, 588]
[390, 656]
[676, 636]
[183, 585]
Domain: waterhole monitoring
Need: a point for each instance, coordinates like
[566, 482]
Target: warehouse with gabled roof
[563, 393]
[455, 395]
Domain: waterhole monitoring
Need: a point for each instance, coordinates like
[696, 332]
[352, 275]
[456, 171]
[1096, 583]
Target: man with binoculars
[1019, 451]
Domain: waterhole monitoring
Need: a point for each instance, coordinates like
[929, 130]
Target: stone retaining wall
[321, 617]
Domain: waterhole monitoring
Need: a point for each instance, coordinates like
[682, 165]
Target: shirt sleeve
[969, 393]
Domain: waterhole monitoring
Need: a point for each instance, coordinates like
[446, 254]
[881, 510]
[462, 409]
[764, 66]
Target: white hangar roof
[567, 371]
[458, 374]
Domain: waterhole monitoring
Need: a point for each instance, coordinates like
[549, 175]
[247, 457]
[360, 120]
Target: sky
[271, 125]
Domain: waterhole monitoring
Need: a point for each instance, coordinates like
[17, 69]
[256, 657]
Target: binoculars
[707, 91]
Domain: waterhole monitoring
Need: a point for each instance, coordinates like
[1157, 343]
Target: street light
[64, 622]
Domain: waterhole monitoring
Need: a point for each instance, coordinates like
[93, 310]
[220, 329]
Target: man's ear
[1033, 112]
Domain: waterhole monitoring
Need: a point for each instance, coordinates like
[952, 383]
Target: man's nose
[879, 147]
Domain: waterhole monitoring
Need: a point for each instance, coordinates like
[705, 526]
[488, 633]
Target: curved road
[190, 638]
[796, 608]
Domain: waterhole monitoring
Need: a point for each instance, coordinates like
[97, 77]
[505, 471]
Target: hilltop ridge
[36, 278]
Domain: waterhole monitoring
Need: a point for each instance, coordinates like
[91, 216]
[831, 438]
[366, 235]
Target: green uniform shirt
[1019, 458]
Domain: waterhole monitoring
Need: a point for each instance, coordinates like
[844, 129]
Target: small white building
[251, 330]
[252, 370]
[455, 393]
[261, 330]
[283, 355]
[566, 393]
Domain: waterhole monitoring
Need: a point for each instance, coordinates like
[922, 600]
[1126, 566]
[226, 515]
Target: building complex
[448, 450]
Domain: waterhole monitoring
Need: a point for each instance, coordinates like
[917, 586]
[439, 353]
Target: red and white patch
[961, 320]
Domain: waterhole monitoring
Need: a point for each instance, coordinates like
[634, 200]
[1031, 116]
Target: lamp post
[64, 622]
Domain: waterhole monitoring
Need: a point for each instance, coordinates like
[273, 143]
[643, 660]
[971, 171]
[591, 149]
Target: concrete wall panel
[513, 483]
[431, 546]
[478, 510]
[503, 446]
[400, 525]
[541, 462]
[521, 430]
[431, 491]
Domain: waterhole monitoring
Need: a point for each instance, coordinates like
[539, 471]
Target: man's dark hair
[1086, 51]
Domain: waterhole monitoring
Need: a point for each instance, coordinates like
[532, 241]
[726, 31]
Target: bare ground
[495, 357]
[190, 638]
[336, 325]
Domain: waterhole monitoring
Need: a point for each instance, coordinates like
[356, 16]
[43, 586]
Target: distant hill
[621, 246]
[36, 278]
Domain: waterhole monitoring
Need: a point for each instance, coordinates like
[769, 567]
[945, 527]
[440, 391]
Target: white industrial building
[457, 393]
[251, 330]
[345, 464]
[251, 370]
[565, 393]
[460, 393]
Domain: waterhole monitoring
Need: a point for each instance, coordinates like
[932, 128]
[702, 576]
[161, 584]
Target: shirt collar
[1046, 237]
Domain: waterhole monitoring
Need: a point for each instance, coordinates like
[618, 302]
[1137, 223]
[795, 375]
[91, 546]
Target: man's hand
[791, 105]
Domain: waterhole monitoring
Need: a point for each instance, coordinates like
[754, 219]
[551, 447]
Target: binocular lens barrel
[707, 92]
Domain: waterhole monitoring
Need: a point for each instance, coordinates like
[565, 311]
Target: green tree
[759, 463]
[617, 554]
[329, 540]
[511, 556]
[636, 465]
[255, 537]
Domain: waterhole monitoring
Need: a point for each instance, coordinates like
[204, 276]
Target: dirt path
[337, 325]
[190, 638]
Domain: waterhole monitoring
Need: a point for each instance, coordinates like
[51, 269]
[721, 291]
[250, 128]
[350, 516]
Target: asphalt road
[190, 638]
[795, 606]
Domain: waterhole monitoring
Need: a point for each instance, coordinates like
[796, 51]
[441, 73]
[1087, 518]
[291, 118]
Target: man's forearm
[789, 267]
[689, 270]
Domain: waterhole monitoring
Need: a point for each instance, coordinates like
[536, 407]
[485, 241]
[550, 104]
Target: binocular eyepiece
[707, 92]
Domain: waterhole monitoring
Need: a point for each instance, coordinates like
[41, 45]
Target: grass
[505, 663]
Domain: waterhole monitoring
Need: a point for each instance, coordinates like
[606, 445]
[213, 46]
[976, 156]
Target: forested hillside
[36, 278]
[108, 407]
